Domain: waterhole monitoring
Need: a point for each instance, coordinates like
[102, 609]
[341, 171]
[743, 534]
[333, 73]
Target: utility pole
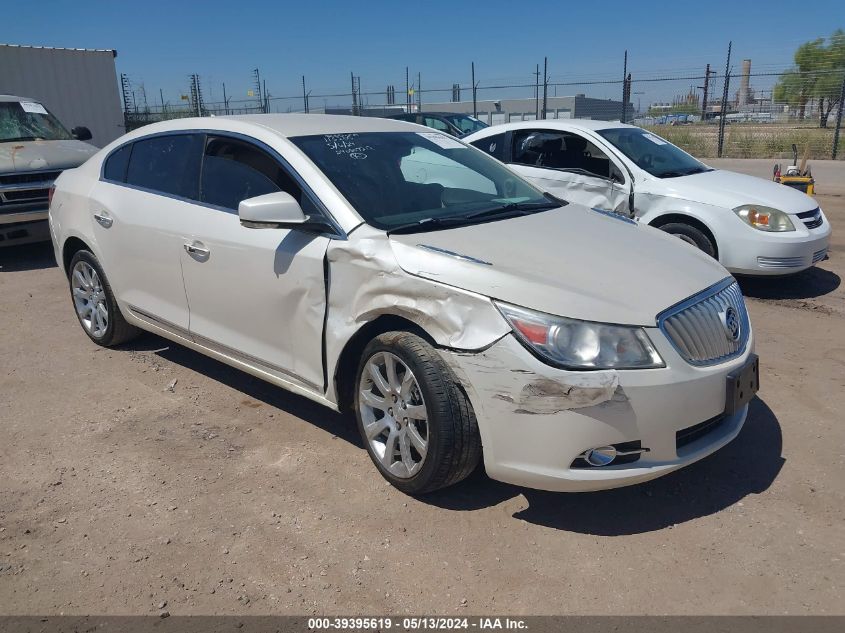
[161, 96]
[624, 85]
[537, 92]
[419, 92]
[474, 86]
[407, 91]
[725, 101]
[266, 98]
[545, 84]
[257, 79]
[706, 89]
[304, 96]
[838, 119]
[126, 86]
[225, 101]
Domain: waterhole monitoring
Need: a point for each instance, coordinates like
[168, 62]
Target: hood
[728, 189]
[19, 156]
[571, 261]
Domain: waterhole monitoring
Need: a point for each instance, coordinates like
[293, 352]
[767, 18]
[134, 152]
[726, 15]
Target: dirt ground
[222, 494]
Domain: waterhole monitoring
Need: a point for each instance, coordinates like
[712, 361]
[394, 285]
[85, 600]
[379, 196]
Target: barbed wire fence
[730, 111]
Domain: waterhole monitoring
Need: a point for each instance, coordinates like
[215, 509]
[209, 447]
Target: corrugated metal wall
[78, 86]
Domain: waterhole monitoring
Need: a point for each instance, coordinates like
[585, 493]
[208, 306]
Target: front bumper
[536, 420]
[753, 252]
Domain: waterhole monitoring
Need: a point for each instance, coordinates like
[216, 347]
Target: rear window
[116, 164]
[167, 164]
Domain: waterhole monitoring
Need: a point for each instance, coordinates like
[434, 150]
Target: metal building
[78, 85]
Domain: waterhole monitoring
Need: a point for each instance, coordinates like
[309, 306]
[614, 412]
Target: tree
[817, 74]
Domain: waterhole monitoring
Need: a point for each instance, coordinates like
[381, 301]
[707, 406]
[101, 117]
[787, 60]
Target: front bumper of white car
[749, 251]
[537, 421]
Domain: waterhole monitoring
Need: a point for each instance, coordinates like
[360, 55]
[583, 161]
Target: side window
[169, 164]
[234, 170]
[559, 150]
[493, 145]
[436, 124]
[116, 164]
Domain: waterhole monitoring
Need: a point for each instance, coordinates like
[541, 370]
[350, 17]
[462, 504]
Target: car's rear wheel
[94, 302]
[691, 235]
[416, 423]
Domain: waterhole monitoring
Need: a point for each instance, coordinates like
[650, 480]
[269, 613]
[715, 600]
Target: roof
[13, 98]
[59, 48]
[549, 124]
[284, 125]
[307, 124]
[584, 124]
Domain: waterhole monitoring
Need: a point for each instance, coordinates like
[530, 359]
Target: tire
[691, 235]
[90, 294]
[450, 430]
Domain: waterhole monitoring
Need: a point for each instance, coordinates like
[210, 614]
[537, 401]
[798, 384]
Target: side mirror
[278, 210]
[81, 133]
[271, 211]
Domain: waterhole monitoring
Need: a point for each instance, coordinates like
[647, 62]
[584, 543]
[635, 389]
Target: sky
[160, 44]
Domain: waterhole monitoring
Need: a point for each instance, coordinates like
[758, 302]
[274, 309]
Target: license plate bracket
[742, 385]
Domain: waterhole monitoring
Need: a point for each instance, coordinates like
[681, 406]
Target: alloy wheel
[89, 299]
[393, 414]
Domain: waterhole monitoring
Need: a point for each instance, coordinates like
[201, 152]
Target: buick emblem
[730, 321]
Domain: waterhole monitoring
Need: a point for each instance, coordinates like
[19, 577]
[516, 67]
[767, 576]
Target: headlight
[573, 344]
[764, 218]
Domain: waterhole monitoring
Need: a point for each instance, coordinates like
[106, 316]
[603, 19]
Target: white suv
[457, 314]
[752, 226]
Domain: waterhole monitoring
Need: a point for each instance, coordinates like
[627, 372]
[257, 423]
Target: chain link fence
[729, 112]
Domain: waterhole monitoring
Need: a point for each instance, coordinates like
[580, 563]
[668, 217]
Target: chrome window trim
[698, 298]
[338, 232]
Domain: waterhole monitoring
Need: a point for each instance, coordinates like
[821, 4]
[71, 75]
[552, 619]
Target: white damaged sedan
[461, 314]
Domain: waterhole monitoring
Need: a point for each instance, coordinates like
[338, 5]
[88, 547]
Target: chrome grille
[25, 189]
[819, 255]
[697, 326]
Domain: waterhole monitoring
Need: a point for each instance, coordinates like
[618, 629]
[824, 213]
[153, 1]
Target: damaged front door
[570, 167]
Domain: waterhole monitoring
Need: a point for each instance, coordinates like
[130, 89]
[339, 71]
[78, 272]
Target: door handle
[103, 220]
[192, 249]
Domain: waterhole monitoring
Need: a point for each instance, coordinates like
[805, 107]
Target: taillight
[50, 195]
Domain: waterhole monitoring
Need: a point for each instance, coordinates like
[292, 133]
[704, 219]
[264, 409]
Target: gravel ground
[150, 478]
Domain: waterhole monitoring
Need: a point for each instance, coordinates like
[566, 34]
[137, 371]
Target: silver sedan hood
[18, 156]
[571, 261]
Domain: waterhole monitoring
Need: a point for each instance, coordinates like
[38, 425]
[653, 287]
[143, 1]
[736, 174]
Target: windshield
[29, 121]
[465, 123]
[650, 152]
[427, 179]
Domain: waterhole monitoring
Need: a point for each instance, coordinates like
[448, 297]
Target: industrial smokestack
[744, 97]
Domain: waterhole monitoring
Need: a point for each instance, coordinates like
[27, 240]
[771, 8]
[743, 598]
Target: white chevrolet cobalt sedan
[752, 226]
[459, 312]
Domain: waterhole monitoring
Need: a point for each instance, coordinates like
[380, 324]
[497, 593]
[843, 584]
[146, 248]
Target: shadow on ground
[813, 282]
[748, 465]
[343, 426]
[27, 257]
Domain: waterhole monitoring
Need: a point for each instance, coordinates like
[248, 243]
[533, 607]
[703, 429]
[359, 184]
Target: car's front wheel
[94, 302]
[416, 423]
[691, 235]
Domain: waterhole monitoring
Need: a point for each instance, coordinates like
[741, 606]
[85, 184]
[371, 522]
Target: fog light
[601, 456]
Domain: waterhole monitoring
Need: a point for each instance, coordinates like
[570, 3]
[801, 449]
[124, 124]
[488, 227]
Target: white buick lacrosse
[378, 266]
